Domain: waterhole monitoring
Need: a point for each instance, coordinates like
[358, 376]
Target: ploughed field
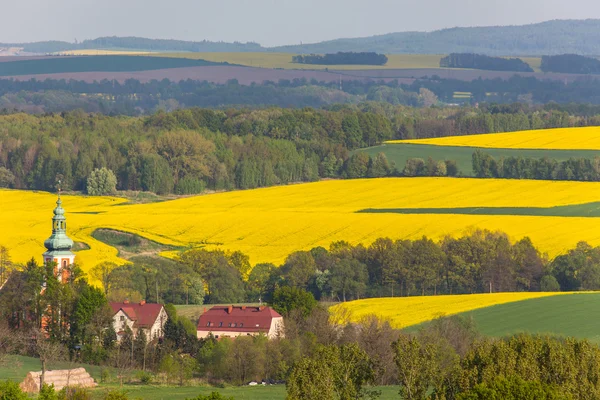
[270, 223]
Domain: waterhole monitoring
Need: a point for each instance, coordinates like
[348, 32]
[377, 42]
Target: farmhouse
[149, 317]
[240, 320]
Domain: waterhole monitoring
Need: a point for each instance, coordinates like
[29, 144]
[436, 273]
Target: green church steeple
[59, 245]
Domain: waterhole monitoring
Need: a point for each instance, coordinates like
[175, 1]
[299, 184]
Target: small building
[235, 321]
[149, 317]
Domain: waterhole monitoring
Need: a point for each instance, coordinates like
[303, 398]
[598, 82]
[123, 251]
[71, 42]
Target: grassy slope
[399, 153]
[95, 64]
[571, 315]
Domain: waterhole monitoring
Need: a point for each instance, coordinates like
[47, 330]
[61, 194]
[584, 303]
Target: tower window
[64, 263]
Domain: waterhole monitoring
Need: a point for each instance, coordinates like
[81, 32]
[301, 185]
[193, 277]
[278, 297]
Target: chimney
[204, 312]
[261, 308]
[229, 309]
[244, 308]
[142, 302]
[126, 301]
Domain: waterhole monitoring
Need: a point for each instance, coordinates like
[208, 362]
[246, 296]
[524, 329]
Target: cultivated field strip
[403, 312]
[270, 223]
[585, 138]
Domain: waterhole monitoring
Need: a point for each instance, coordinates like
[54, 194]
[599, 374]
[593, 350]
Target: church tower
[59, 245]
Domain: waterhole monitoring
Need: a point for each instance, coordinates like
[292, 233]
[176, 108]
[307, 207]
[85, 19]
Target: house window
[230, 324]
[241, 325]
[220, 324]
[122, 318]
[208, 323]
[234, 324]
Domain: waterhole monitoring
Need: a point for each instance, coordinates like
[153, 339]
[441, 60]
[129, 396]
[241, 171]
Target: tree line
[188, 151]
[480, 262]
[570, 64]
[342, 58]
[573, 169]
[480, 61]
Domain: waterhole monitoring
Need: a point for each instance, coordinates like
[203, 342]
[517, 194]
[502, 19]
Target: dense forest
[340, 58]
[571, 63]
[186, 151]
[480, 61]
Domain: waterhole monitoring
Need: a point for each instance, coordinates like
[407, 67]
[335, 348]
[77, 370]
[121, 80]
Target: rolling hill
[546, 38]
[570, 315]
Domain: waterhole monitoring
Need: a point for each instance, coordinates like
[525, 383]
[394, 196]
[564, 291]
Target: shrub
[212, 396]
[101, 182]
[144, 377]
[189, 185]
[11, 391]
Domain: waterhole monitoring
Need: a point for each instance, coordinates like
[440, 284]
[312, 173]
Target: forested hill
[135, 43]
[546, 38]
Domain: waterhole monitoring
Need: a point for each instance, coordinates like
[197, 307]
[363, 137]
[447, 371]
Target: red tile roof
[237, 319]
[143, 314]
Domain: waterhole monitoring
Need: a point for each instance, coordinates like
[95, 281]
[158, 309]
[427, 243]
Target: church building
[59, 245]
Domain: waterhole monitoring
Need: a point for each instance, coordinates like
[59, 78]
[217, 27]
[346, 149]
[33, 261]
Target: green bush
[212, 396]
[48, 393]
[75, 393]
[11, 391]
[513, 388]
[144, 377]
[189, 185]
[115, 395]
[101, 182]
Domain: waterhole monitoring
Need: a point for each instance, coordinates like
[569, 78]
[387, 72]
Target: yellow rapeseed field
[270, 223]
[586, 138]
[402, 312]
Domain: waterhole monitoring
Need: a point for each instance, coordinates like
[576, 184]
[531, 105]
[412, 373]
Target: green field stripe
[569, 315]
[398, 153]
[589, 210]
[574, 315]
[96, 64]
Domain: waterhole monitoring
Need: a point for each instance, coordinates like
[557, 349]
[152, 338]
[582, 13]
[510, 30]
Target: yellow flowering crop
[402, 312]
[586, 138]
[270, 223]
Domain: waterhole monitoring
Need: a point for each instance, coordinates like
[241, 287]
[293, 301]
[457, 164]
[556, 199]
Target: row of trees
[480, 61]
[573, 169]
[571, 64]
[342, 58]
[478, 263]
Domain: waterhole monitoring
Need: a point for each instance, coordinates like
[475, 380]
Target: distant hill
[135, 43]
[546, 38]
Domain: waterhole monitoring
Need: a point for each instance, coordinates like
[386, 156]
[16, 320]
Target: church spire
[58, 245]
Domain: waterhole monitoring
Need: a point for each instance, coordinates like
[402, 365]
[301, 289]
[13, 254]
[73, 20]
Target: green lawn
[575, 315]
[16, 368]
[399, 153]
